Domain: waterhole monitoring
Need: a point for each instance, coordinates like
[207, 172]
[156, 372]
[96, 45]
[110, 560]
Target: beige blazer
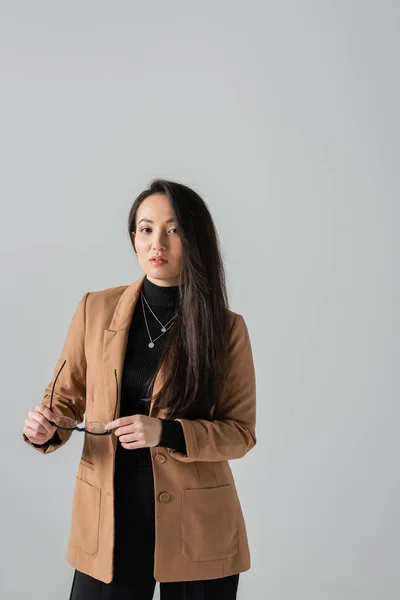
[200, 529]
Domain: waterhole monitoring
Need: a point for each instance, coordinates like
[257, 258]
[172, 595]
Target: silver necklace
[164, 328]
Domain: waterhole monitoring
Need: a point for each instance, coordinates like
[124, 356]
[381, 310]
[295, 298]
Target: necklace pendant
[151, 345]
[163, 329]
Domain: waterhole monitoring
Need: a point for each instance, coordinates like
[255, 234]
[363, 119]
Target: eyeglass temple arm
[116, 400]
[116, 386]
[54, 383]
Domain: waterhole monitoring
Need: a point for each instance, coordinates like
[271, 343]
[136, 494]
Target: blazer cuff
[172, 435]
[54, 440]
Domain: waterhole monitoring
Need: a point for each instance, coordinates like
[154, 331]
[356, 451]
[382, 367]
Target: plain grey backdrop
[284, 116]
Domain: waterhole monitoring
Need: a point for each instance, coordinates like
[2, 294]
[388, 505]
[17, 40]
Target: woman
[164, 372]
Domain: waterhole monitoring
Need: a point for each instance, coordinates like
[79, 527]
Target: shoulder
[105, 301]
[107, 295]
[239, 336]
[235, 320]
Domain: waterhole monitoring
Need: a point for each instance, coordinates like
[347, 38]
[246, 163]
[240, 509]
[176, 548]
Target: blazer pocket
[208, 523]
[86, 517]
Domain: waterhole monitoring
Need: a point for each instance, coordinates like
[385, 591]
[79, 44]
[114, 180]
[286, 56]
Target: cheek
[142, 250]
[140, 243]
[178, 250]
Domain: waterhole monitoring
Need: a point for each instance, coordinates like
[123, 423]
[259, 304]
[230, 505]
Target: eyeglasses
[69, 424]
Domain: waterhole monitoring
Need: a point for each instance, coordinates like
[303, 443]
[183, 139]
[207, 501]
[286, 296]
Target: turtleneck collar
[160, 295]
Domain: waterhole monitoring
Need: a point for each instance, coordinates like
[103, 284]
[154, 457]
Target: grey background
[284, 116]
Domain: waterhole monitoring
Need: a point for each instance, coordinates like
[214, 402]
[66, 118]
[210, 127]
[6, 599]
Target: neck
[160, 295]
[164, 282]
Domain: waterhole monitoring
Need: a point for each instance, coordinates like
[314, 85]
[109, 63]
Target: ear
[133, 239]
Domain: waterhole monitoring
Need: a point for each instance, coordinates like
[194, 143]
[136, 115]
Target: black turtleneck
[141, 361]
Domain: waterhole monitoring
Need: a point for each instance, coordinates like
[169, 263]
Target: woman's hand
[137, 431]
[37, 426]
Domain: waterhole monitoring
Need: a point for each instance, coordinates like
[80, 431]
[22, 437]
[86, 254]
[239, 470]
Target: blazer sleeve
[231, 433]
[69, 397]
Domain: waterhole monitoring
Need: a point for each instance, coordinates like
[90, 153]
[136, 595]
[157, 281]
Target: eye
[148, 228]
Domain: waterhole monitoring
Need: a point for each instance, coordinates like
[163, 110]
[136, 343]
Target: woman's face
[157, 234]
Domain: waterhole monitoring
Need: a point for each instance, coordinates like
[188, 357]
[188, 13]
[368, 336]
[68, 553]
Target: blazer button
[160, 458]
[164, 497]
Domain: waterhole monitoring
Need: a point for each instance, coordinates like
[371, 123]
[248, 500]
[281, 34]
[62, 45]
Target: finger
[46, 412]
[131, 437]
[122, 421]
[33, 434]
[44, 425]
[119, 422]
[32, 426]
[131, 428]
[132, 445]
[35, 424]
[37, 427]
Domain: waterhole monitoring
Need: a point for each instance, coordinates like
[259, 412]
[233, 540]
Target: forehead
[155, 208]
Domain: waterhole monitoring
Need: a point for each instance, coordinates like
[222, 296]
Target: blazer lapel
[115, 340]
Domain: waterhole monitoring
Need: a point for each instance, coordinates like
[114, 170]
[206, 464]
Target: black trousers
[134, 544]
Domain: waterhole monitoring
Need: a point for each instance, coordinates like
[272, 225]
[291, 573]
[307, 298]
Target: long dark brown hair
[194, 358]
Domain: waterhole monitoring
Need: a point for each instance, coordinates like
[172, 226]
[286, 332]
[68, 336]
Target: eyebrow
[150, 221]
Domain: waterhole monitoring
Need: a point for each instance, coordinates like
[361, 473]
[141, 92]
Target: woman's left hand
[137, 431]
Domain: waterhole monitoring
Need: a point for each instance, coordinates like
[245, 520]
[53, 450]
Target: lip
[158, 260]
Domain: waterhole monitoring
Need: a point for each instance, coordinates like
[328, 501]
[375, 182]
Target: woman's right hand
[37, 426]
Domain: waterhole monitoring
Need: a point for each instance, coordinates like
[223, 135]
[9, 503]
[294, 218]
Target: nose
[158, 242]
